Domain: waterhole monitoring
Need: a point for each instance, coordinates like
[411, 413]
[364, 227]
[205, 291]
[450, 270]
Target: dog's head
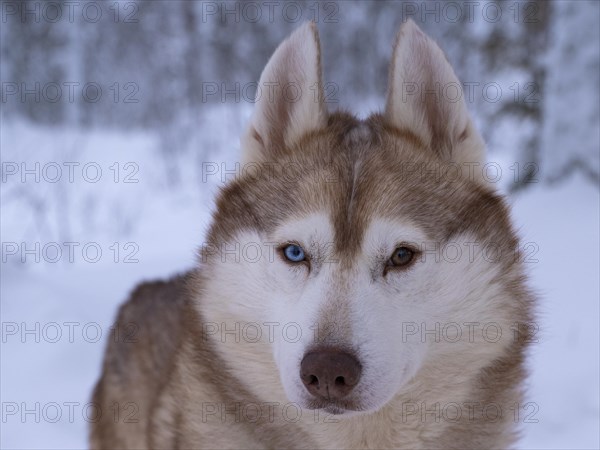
[352, 255]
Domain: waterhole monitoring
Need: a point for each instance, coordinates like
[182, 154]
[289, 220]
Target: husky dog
[361, 285]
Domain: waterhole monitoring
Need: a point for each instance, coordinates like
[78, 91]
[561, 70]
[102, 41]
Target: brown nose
[329, 374]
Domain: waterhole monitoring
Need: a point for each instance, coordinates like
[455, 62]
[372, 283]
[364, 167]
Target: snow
[563, 222]
[167, 224]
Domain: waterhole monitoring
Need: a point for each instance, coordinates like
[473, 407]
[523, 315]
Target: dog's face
[358, 252]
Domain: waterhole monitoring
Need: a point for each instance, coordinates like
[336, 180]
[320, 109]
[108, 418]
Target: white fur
[435, 290]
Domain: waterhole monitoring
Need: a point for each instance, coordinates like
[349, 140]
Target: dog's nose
[330, 374]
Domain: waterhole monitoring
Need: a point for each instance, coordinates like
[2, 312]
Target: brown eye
[401, 257]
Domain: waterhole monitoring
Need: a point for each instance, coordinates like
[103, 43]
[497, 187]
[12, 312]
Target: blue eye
[294, 253]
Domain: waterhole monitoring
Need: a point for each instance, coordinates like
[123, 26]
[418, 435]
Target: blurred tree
[152, 61]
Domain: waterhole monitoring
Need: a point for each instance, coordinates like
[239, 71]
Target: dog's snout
[330, 374]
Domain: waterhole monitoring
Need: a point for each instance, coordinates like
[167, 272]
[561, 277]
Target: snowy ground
[48, 372]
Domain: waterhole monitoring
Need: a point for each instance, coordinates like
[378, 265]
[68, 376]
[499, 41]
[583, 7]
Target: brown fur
[173, 371]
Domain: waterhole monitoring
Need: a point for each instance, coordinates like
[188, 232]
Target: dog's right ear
[426, 98]
[289, 98]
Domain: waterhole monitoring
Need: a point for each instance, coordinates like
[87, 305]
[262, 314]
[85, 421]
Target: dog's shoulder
[142, 348]
[148, 297]
[150, 322]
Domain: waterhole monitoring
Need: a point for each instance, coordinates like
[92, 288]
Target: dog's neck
[425, 415]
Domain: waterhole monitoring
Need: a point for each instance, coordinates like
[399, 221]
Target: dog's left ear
[426, 98]
[290, 97]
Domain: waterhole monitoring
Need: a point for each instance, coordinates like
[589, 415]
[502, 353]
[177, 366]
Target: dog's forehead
[372, 177]
[318, 229]
[353, 173]
[359, 192]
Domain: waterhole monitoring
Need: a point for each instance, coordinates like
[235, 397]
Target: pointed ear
[426, 98]
[289, 97]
